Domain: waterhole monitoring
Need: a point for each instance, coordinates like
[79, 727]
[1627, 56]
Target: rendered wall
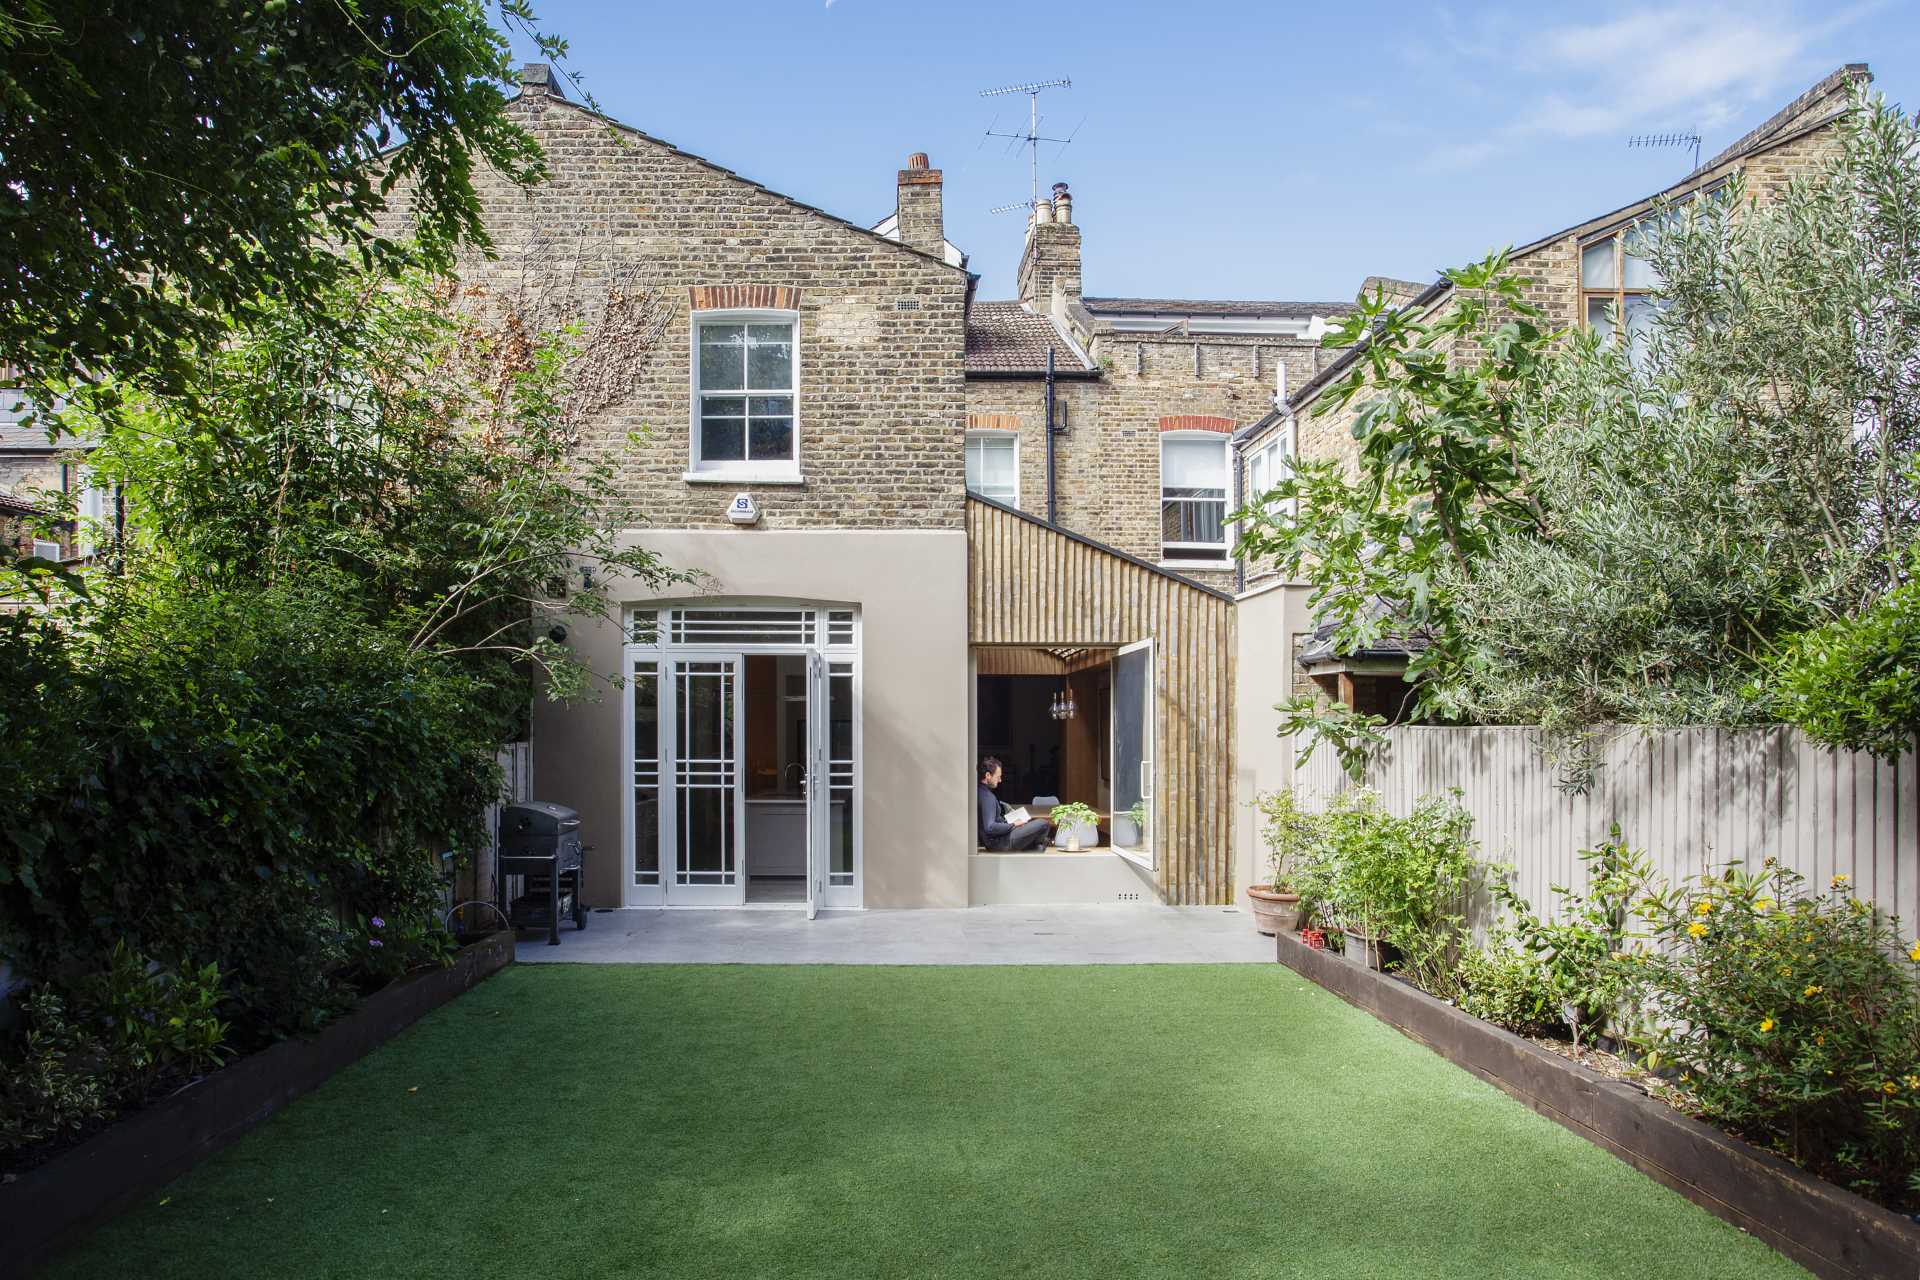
[916, 787]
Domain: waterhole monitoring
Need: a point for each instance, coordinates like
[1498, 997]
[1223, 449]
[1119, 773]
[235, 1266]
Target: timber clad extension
[1033, 585]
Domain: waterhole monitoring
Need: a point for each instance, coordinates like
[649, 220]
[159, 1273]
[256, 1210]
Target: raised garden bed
[1826, 1229]
[82, 1187]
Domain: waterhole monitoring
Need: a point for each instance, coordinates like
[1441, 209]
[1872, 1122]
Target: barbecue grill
[540, 845]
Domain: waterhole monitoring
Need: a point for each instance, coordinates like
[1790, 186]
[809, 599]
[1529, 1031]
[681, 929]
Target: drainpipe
[1052, 513]
[1239, 504]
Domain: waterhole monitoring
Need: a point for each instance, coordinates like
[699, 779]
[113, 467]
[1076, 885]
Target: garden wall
[1694, 799]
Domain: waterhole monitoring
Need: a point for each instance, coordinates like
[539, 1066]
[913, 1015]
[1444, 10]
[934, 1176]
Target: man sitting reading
[996, 833]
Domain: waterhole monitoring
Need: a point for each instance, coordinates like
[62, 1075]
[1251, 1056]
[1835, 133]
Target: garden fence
[1694, 799]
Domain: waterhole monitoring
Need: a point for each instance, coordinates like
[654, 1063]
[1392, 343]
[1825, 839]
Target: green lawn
[909, 1122]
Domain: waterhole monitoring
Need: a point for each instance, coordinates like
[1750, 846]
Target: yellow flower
[1811, 991]
[1838, 880]
[1821, 1038]
[1786, 971]
[1912, 1082]
[1889, 1087]
[1763, 905]
[1697, 929]
[1914, 953]
[1766, 1024]
[1704, 907]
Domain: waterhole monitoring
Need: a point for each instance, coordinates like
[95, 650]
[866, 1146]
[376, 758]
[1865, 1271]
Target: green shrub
[1580, 948]
[1406, 881]
[1793, 1020]
[227, 779]
[1507, 987]
[53, 1085]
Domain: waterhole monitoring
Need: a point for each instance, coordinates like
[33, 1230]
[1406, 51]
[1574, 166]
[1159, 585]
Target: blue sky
[1225, 150]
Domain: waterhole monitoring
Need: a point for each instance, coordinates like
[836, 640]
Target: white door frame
[1146, 856]
[724, 894]
[650, 620]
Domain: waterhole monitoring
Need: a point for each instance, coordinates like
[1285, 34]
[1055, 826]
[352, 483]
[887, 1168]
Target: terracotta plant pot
[1274, 910]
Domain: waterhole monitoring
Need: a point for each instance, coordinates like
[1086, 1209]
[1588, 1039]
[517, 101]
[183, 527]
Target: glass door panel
[706, 771]
[643, 682]
[819, 803]
[1132, 721]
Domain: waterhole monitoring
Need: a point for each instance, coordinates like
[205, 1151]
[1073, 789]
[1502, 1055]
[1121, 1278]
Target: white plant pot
[1078, 836]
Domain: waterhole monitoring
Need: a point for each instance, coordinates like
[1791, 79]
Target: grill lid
[538, 818]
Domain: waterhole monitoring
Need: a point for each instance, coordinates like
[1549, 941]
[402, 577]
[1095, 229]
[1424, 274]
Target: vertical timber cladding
[1030, 583]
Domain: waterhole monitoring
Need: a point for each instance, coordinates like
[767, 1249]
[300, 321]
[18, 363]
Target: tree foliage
[173, 162]
[1440, 475]
[1698, 523]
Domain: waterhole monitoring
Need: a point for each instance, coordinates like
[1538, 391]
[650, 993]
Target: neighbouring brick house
[1146, 394]
[1583, 275]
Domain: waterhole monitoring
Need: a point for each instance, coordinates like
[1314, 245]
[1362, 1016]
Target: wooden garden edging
[1826, 1229]
[48, 1206]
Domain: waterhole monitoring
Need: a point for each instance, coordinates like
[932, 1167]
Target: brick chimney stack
[918, 210]
[1050, 266]
[537, 78]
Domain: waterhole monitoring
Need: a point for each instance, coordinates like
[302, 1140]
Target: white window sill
[1223, 566]
[769, 475]
[1143, 860]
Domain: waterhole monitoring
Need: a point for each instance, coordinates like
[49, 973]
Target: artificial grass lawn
[905, 1122]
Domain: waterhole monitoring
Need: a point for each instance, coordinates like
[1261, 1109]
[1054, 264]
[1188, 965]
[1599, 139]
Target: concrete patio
[970, 935]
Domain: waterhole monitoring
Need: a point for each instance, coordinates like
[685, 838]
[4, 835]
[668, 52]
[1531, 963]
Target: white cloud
[1657, 67]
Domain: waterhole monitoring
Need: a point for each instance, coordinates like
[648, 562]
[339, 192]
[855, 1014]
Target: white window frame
[750, 471]
[996, 436]
[1170, 556]
[1278, 454]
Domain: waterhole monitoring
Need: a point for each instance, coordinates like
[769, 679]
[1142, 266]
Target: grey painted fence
[1694, 799]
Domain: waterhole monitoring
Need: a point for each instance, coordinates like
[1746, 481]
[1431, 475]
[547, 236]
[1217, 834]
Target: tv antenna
[1032, 138]
[1685, 138]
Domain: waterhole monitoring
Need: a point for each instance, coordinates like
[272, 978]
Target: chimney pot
[918, 160]
[1062, 203]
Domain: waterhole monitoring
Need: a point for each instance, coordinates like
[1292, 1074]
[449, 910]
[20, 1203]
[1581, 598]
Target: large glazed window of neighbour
[1194, 483]
[746, 381]
[1617, 283]
[993, 465]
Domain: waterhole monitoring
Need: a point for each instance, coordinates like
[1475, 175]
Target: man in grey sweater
[996, 833]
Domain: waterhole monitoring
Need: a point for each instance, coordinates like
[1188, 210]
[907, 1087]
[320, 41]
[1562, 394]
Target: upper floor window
[1193, 498]
[746, 388]
[1616, 282]
[993, 465]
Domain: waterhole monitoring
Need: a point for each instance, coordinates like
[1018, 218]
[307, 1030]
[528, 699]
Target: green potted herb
[1075, 827]
[1130, 828]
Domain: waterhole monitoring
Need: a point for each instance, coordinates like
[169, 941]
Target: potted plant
[1130, 828]
[1292, 836]
[1075, 827]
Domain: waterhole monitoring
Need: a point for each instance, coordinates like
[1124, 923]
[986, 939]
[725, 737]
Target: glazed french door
[706, 816]
[1132, 746]
[819, 784]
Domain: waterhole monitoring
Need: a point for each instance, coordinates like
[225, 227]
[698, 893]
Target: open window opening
[1070, 727]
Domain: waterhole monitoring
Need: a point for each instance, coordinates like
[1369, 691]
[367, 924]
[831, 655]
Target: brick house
[928, 526]
[1583, 275]
[800, 727]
